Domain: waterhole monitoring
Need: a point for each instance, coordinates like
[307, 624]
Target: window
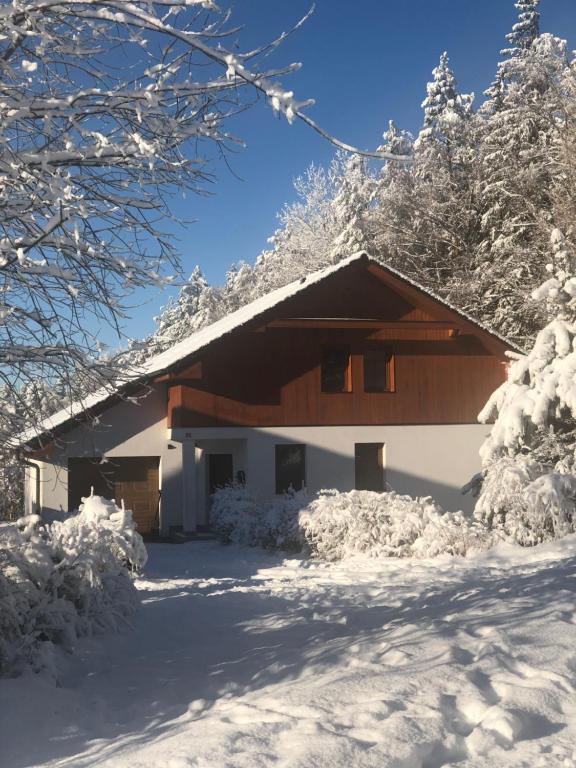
[369, 467]
[378, 370]
[290, 467]
[335, 372]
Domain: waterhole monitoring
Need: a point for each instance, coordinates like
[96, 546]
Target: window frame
[390, 369]
[381, 467]
[277, 449]
[347, 372]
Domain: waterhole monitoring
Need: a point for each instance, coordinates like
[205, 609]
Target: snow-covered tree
[424, 217]
[524, 32]
[308, 228]
[446, 112]
[397, 142]
[356, 190]
[521, 125]
[91, 147]
[197, 304]
[240, 287]
[533, 437]
[540, 391]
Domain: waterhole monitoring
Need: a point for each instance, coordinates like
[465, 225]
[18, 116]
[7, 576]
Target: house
[353, 377]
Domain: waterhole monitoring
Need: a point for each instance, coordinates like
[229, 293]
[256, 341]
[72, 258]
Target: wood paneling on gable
[269, 375]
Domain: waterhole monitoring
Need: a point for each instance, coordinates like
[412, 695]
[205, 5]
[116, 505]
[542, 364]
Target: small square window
[290, 467]
[335, 370]
[378, 370]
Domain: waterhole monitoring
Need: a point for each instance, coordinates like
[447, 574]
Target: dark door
[132, 480]
[220, 470]
[369, 467]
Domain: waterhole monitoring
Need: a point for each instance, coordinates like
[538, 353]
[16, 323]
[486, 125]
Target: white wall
[126, 429]
[419, 460]
[435, 460]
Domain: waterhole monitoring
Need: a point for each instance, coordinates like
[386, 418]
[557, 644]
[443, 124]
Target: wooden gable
[268, 373]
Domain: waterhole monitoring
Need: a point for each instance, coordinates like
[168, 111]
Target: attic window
[378, 370]
[335, 370]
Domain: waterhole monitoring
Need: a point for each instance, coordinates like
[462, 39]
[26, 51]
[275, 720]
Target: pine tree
[523, 34]
[519, 136]
[396, 142]
[241, 287]
[529, 488]
[356, 189]
[446, 112]
[198, 304]
[526, 29]
[422, 222]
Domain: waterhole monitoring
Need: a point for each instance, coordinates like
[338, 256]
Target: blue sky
[364, 63]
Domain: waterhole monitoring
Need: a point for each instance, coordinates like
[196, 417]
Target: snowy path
[240, 659]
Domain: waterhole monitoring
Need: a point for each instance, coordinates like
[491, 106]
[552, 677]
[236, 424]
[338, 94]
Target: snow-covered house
[353, 377]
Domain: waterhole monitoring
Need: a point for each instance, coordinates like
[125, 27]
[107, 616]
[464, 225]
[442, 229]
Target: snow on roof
[205, 336]
[199, 340]
[202, 338]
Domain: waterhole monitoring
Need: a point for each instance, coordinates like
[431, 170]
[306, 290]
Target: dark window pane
[369, 466]
[220, 470]
[290, 468]
[335, 369]
[377, 370]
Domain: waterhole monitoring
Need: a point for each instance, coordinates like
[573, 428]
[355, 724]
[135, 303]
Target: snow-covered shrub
[337, 525]
[63, 581]
[238, 515]
[235, 515]
[523, 500]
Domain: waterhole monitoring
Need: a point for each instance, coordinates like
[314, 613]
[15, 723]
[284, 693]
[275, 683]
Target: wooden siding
[444, 368]
[273, 379]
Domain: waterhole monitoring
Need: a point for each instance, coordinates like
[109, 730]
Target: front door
[220, 470]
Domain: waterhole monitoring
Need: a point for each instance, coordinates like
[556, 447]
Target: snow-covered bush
[235, 515]
[337, 525]
[523, 500]
[529, 484]
[66, 580]
[238, 515]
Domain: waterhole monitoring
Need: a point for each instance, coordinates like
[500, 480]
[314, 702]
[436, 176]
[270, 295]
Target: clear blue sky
[364, 62]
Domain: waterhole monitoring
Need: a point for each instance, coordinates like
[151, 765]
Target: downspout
[36, 467]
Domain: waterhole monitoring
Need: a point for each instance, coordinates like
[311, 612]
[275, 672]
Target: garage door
[134, 480]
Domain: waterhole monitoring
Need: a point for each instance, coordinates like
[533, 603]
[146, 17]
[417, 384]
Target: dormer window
[335, 369]
[378, 370]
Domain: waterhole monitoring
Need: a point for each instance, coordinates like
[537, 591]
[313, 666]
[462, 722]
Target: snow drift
[65, 580]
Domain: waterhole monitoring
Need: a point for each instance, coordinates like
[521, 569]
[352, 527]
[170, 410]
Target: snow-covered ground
[241, 659]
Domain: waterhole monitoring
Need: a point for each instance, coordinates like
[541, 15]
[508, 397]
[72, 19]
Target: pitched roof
[198, 341]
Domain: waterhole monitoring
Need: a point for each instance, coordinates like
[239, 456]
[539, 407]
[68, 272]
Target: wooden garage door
[134, 480]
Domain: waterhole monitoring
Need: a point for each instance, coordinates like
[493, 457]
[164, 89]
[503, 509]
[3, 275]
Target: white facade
[420, 460]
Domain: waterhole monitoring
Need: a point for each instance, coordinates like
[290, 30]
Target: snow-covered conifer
[355, 191]
[535, 417]
[445, 114]
[397, 142]
[524, 32]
